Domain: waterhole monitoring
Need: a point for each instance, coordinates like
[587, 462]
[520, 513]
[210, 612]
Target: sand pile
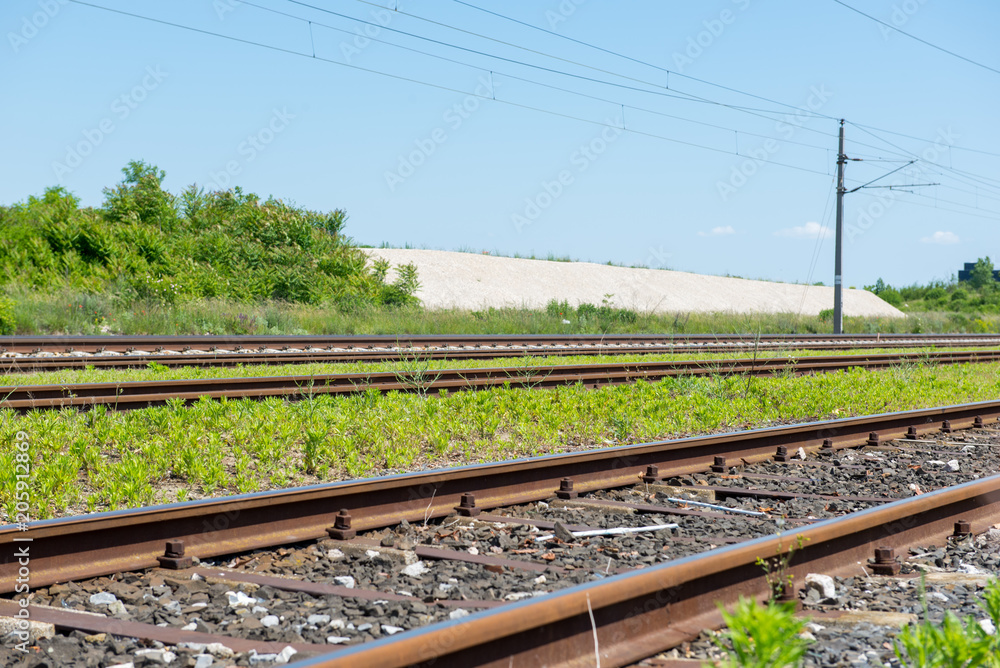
[470, 281]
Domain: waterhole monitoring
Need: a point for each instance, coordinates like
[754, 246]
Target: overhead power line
[310, 56]
[914, 37]
[678, 74]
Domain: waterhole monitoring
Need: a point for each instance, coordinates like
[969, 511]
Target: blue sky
[519, 146]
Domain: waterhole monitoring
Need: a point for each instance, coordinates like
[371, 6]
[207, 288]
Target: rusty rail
[100, 544]
[140, 394]
[634, 615]
[419, 342]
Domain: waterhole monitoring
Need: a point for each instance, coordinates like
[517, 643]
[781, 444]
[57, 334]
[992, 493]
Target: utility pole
[838, 259]
[838, 278]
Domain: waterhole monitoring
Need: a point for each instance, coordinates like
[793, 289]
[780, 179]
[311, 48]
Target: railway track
[141, 394]
[40, 353]
[491, 565]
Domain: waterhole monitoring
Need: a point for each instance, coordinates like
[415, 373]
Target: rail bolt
[467, 506]
[719, 465]
[827, 447]
[945, 427]
[781, 455]
[566, 489]
[978, 423]
[173, 557]
[963, 529]
[652, 473]
[886, 562]
[911, 433]
[341, 529]
[873, 439]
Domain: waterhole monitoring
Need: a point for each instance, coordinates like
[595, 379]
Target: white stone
[987, 626]
[344, 581]
[802, 454]
[814, 627]
[445, 586]
[540, 580]
[285, 655]
[334, 554]
[238, 599]
[364, 627]
[938, 596]
[338, 624]
[517, 595]
[158, 655]
[458, 613]
[953, 466]
[203, 660]
[214, 648]
[337, 640]
[318, 619]
[824, 584]
[806, 635]
[269, 621]
[473, 550]
[371, 554]
[415, 570]
[103, 598]
[190, 627]
[36, 630]
[258, 609]
[391, 630]
[123, 665]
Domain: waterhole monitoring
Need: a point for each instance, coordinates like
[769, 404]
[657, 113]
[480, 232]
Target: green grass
[72, 311]
[101, 459]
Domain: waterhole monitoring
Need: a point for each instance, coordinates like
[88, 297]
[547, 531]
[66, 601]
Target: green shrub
[145, 244]
[7, 323]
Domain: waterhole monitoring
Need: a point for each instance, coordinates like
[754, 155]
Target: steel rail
[12, 365]
[631, 616]
[141, 394]
[126, 343]
[85, 546]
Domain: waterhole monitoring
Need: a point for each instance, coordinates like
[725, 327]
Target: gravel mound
[470, 281]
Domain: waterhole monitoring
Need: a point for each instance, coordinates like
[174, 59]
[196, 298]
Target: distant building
[964, 274]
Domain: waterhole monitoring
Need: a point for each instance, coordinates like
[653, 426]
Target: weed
[762, 636]
[953, 642]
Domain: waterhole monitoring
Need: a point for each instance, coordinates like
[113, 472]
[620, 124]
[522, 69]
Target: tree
[981, 275]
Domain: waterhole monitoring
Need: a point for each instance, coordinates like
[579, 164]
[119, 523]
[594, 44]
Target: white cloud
[943, 238]
[722, 231]
[810, 230]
